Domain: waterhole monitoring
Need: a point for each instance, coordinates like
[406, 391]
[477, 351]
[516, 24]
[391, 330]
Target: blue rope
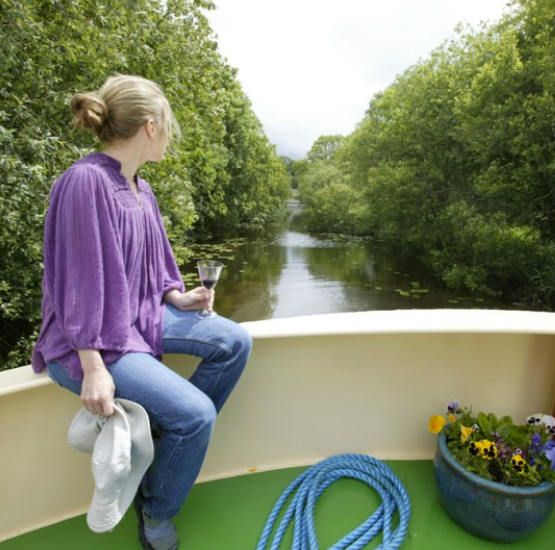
[315, 480]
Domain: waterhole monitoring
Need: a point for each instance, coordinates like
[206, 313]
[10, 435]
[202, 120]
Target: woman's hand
[97, 389]
[198, 298]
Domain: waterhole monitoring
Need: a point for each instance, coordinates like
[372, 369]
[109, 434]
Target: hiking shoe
[154, 534]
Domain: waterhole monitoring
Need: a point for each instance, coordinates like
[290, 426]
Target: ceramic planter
[486, 508]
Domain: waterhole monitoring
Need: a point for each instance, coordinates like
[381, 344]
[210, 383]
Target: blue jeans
[182, 412]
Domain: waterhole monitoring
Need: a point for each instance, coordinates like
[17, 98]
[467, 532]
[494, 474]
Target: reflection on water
[298, 290]
[297, 274]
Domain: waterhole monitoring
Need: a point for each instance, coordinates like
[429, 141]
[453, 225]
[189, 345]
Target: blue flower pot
[488, 509]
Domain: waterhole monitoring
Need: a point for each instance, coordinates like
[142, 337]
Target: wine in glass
[209, 272]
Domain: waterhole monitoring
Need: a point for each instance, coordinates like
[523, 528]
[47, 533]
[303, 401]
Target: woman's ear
[150, 128]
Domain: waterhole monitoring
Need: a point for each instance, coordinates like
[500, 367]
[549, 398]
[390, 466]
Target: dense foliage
[222, 177]
[455, 161]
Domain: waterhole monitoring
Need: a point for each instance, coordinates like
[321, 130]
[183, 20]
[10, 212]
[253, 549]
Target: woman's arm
[84, 264]
[91, 360]
[87, 279]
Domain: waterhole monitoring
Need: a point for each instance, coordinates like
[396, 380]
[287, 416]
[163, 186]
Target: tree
[455, 161]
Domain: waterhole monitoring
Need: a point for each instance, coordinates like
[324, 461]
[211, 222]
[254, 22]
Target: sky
[311, 67]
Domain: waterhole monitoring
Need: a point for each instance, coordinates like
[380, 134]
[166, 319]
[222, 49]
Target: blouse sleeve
[172, 275]
[85, 262]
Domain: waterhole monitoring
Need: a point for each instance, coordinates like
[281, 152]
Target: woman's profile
[114, 300]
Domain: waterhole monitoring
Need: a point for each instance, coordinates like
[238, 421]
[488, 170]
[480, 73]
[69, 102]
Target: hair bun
[89, 111]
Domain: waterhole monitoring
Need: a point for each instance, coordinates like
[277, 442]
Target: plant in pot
[495, 478]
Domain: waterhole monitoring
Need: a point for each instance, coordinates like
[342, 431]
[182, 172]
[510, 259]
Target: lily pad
[403, 293]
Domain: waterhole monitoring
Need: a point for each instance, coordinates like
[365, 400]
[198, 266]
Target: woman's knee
[243, 341]
[205, 411]
[196, 415]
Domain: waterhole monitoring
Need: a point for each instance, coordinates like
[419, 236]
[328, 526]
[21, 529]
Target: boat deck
[229, 514]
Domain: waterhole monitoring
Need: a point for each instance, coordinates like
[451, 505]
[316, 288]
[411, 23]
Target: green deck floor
[230, 514]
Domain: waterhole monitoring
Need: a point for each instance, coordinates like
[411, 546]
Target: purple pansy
[453, 407]
[549, 451]
[536, 443]
[502, 448]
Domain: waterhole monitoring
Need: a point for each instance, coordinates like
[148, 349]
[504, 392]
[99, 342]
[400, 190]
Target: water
[292, 273]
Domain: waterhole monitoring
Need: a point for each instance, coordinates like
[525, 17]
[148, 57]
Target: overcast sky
[311, 67]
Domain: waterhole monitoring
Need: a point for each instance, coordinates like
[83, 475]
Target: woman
[114, 300]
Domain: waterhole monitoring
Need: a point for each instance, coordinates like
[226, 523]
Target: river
[293, 273]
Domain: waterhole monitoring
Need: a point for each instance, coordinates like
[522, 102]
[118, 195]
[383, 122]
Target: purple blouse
[107, 265]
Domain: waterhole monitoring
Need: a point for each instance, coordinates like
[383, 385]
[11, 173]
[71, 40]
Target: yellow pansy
[488, 449]
[519, 463]
[484, 448]
[436, 423]
[465, 433]
[452, 418]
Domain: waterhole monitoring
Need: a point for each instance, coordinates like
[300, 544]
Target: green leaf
[493, 421]
[484, 424]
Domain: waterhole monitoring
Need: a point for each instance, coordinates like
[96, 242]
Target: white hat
[122, 450]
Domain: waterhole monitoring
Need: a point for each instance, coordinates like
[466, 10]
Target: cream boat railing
[315, 386]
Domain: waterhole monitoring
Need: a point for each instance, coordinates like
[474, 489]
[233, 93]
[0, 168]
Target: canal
[293, 273]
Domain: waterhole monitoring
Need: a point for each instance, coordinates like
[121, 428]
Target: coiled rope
[316, 479]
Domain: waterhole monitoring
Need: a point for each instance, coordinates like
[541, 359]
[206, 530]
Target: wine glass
[209, 272]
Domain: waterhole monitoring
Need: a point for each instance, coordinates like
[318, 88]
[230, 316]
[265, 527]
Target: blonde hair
[121, 106]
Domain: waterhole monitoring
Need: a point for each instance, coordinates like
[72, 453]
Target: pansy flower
[502, 448]
[484, 448]
[518, 462]
[488, 450]
[549, 452]
[436, 423]
[465, 433]
[535, 443]
[547, 420]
